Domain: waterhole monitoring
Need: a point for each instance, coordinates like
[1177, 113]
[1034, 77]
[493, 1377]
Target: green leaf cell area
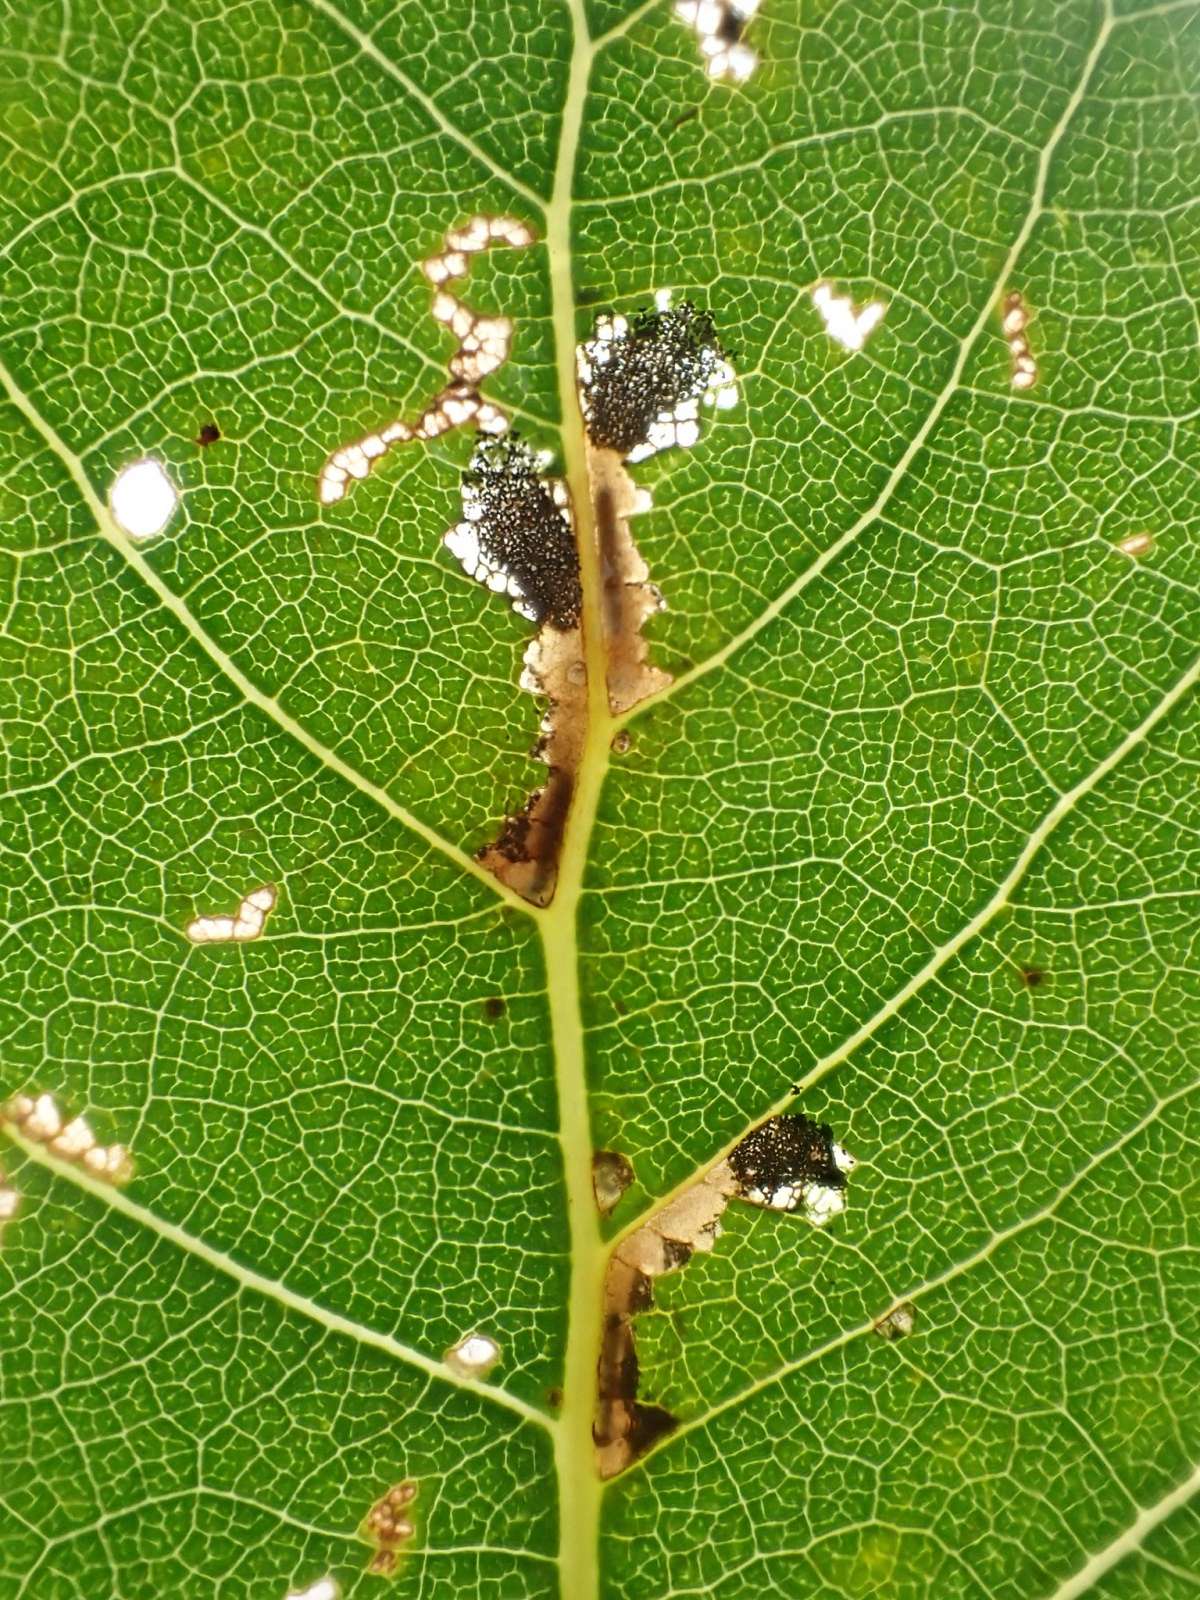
[600, 840]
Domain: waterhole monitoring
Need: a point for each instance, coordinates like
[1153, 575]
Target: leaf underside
[915, 831]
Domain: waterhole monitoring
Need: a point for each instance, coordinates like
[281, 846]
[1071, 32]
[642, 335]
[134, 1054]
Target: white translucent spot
[718, 26]
[76, 1139]
[40, 1119]
[473, 1356]
[842, 322]
[484, 344]
[1014, 319]
[1137, 544]
[247, 924]
[9, 1201]
[142, 499]
[323, 1589]
[43, 1121]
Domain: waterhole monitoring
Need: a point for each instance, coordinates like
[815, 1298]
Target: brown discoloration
[388, 1527]
[628, 598]
[611, 1176]
[209, 434]
[624, 1427]
[525, 857]
[770, 1168]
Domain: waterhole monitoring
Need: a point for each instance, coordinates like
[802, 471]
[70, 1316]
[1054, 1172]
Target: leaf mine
[788, 1163]
[389, 1527]
[641, 386]
[611, 1176]
[899, 1321]
[719, 25]
[1014, 320]
[844, 322]
[142, 499]
[247, 923]
[517, 536]
[38, 1117]
[1137, 544]
[473, 1356]
[483, 347]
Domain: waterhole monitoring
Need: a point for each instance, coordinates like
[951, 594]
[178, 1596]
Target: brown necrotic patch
[526, 854]
[628, 598]
[611, 1176]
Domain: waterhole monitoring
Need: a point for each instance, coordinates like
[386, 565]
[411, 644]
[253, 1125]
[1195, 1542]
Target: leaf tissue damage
[788, 1163]
[640, 388]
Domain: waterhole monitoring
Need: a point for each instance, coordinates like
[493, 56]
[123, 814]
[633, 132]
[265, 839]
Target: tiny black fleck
[784, 1153]
[665, 358]
[686, 116]
[494, 1008]
[521, 531]
[731, 25]
[1033, 976]
[209, 434]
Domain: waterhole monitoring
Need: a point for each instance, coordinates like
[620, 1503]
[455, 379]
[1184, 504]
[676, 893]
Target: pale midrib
[246, 1278]
[1129, 1542]
[225, 662]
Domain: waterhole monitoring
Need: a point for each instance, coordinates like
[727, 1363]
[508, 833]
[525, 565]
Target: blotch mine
[516, 534]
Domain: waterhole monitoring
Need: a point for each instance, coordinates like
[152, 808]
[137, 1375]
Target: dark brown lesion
[526, 854]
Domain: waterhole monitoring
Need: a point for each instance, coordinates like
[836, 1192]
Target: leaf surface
[909, 843]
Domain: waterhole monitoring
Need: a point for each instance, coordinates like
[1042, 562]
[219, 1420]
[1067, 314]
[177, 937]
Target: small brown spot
[685, 116]
[554, 1398]
[621, 741]
[1033, 977]
[209, 434]
[494, 1008]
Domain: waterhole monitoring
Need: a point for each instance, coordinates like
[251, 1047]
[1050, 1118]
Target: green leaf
[908, 845]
